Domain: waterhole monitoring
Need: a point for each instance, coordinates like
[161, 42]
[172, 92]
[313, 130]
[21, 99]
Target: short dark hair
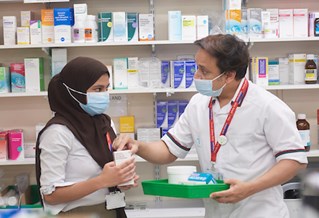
[231, 52]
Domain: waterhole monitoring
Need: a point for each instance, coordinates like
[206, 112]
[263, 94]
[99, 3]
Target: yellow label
[234, 15]
[127, 124]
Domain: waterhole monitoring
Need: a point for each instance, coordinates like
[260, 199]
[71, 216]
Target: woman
[74, 161]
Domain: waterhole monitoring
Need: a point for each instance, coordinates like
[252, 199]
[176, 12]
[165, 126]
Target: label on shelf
[41, 1]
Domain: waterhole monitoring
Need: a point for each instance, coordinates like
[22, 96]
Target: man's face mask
[205, 87]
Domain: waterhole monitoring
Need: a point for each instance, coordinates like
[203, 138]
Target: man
[240, 131]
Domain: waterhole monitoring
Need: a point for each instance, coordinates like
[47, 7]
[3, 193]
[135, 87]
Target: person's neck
[228, 93]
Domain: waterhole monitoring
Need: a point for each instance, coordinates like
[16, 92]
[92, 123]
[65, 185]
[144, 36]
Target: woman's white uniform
[262, 132]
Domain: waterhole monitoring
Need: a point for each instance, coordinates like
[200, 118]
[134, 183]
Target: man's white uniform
[262, 132]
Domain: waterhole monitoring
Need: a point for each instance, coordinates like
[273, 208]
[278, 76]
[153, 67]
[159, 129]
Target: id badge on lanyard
[222, 139]
[114, 199]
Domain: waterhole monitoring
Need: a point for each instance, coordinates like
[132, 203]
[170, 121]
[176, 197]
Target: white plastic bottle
[78, 29]
[91, 29]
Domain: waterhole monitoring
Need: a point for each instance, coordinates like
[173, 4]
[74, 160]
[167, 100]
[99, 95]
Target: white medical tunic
[64, 162]
[262, 132]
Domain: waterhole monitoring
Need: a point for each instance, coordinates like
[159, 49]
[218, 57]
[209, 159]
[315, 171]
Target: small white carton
[120, 157]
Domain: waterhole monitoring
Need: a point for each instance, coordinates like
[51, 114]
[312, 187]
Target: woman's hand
[113, 175]
[127, 187]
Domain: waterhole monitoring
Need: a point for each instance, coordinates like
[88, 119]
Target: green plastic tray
[163, 188]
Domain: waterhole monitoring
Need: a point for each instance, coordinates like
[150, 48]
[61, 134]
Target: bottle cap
[301, 116]
[310, 56]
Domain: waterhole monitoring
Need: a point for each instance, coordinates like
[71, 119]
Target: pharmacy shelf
[29, 161]
[23, 94]
[313, 153]
[145, 43]
[292, 87]
[195, 212]
[70, 45]
[112, 92]
[305, 39]
[190, 157]
[161, 90]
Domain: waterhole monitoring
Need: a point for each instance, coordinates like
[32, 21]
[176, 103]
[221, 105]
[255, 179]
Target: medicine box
[190, 70]
[202, 26]
[120, 73]
[47, 19]
[274, 23]
[120, 157]
[174, 25]
[26, 17]
[148, 134]
[273, 72]
[4, 80]
[80, 9]
[172, 113]
[58, 60]
[165, 74]
[35, 32]
[9, 30]
[15, 144]
[297, 64]
[162, 114]
[259, 70]
[119, 27]
[146, 27]
[23, 35]
[63, 21]
[286, 26]
[132, 26]
[105, 27]
[3, 146]
[34, 74]
[300, 21]
[127, 124]
[132, 72]
[17, 73]
[233, 21]
[189, 27]
[254, 22]
[178, 74]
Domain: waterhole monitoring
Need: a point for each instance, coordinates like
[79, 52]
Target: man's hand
[238, 191]
[124, 142]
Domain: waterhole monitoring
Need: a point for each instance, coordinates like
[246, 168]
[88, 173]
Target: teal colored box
[105, 27]
[132, 26]
[4, 80]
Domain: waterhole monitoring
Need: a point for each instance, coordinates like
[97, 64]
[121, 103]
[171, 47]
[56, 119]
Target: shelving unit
[190, 157]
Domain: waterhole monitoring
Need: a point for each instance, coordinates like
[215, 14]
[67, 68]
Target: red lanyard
[239, 99]
[109, 142]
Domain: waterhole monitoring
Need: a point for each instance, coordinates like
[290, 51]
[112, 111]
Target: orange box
[3, 146]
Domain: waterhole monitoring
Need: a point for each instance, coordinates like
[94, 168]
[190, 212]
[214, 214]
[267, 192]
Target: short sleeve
[282, 134]
[55, 145]
[179, 138]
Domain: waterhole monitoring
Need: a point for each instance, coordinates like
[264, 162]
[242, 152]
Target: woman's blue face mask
[97, 102]
[205, 87]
